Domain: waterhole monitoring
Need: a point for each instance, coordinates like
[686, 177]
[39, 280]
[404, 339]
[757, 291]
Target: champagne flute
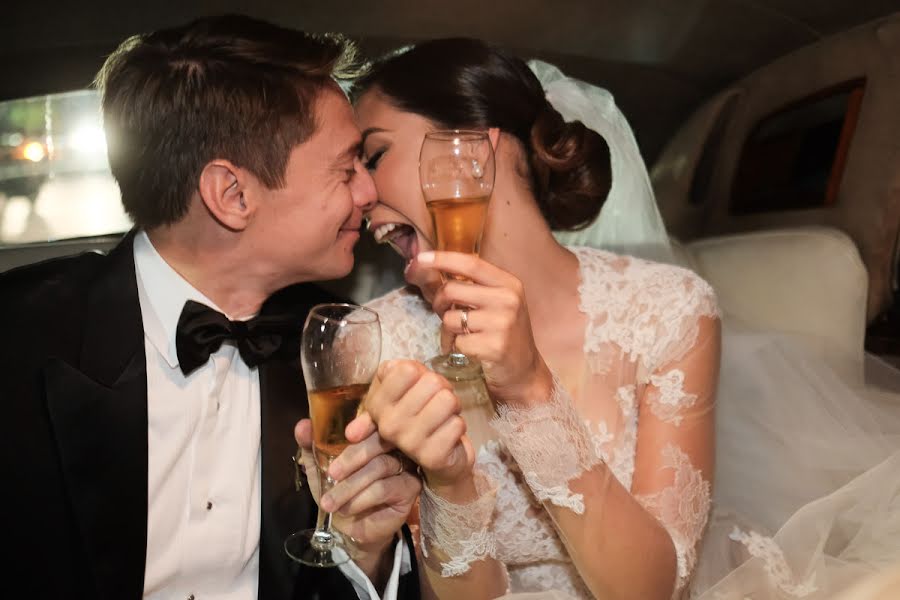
[456, 172]
[340, 351]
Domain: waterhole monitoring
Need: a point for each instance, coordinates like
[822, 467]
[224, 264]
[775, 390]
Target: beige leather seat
[805, 281]
[881, 586]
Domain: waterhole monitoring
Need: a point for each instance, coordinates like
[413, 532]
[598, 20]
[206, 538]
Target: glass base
[456, 367]
[322, 550]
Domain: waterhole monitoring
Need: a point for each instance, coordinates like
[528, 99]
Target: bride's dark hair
[462, 83]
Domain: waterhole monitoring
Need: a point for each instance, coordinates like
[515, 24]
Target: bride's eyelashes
[372, 162]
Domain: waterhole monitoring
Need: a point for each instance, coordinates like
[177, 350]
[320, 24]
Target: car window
[54, 176]
[794, 158]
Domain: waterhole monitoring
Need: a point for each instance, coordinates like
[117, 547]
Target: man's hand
[371, 501]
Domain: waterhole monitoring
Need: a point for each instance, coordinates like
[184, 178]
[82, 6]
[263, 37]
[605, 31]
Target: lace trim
[682, 508]
[461, 531]
[670, 398]
[622, 461]
[767, 550]
[408, 327]
[522, 527]
[649, 310]
[617, 450]
[562, 578]
[601, 438]
[551, 445]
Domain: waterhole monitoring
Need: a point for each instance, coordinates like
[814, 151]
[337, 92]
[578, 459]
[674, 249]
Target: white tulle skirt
[807, 484]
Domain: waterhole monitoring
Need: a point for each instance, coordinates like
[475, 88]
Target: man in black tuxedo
[148, 438]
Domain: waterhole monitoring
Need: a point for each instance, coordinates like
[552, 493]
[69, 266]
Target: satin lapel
[284, 509]
[99, 413]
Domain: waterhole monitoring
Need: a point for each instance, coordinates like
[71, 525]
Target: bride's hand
[499, 328]
[415, 410]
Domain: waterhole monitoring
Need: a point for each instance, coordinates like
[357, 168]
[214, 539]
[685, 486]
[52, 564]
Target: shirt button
[208, 507]
[191, 597]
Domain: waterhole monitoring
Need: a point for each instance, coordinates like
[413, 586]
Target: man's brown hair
[228, 87]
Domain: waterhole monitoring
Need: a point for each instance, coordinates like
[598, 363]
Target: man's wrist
[376, 560]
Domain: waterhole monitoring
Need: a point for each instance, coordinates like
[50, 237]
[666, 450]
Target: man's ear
[494, 136]
[222, 191]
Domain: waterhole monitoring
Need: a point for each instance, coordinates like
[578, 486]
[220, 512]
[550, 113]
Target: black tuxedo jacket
[73, 387]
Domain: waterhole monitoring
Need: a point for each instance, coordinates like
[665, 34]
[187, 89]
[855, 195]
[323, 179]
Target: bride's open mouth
[407, 240]
[400, 236]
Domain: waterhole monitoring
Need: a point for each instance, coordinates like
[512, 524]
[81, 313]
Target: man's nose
[364, 193]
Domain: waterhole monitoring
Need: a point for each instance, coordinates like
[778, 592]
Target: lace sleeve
[675, 446]
[456, 535]
[408, 327]
[551, 446]
[647, 312]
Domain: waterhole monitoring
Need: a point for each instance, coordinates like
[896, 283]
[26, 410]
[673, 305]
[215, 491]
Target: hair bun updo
[463, 83]
[572, 171]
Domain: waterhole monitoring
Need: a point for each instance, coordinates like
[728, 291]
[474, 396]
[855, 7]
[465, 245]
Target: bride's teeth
[384, 230]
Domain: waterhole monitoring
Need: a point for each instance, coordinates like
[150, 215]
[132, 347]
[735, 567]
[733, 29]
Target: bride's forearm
[619, 549]
[530, 392]
[461, 491]
[457, 543]
[485, 579]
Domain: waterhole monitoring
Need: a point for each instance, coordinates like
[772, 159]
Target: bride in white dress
[600, 474]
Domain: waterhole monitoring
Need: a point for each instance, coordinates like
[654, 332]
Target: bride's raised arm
[639, 543]
[625, 543]
[675, 457]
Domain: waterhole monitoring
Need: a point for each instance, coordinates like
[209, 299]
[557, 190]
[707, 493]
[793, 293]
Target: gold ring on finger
[401, 466]
[464, 320]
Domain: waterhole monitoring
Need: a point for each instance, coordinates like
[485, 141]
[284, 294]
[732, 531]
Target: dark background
[660, 58]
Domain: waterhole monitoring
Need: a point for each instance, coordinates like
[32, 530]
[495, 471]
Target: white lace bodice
[643, 320]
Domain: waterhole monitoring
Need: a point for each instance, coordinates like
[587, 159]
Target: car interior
[770, 127]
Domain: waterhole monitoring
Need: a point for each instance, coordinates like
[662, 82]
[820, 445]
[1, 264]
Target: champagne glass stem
[339, 355]
[458, 359]
[323, 537]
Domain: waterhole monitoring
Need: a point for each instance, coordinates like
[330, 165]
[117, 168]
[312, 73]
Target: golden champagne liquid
[331, 410]
[458, 222]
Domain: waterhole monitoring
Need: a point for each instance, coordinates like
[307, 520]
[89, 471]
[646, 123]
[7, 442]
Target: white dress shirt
[203, 517]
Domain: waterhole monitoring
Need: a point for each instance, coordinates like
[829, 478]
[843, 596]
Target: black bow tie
[201, 331]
